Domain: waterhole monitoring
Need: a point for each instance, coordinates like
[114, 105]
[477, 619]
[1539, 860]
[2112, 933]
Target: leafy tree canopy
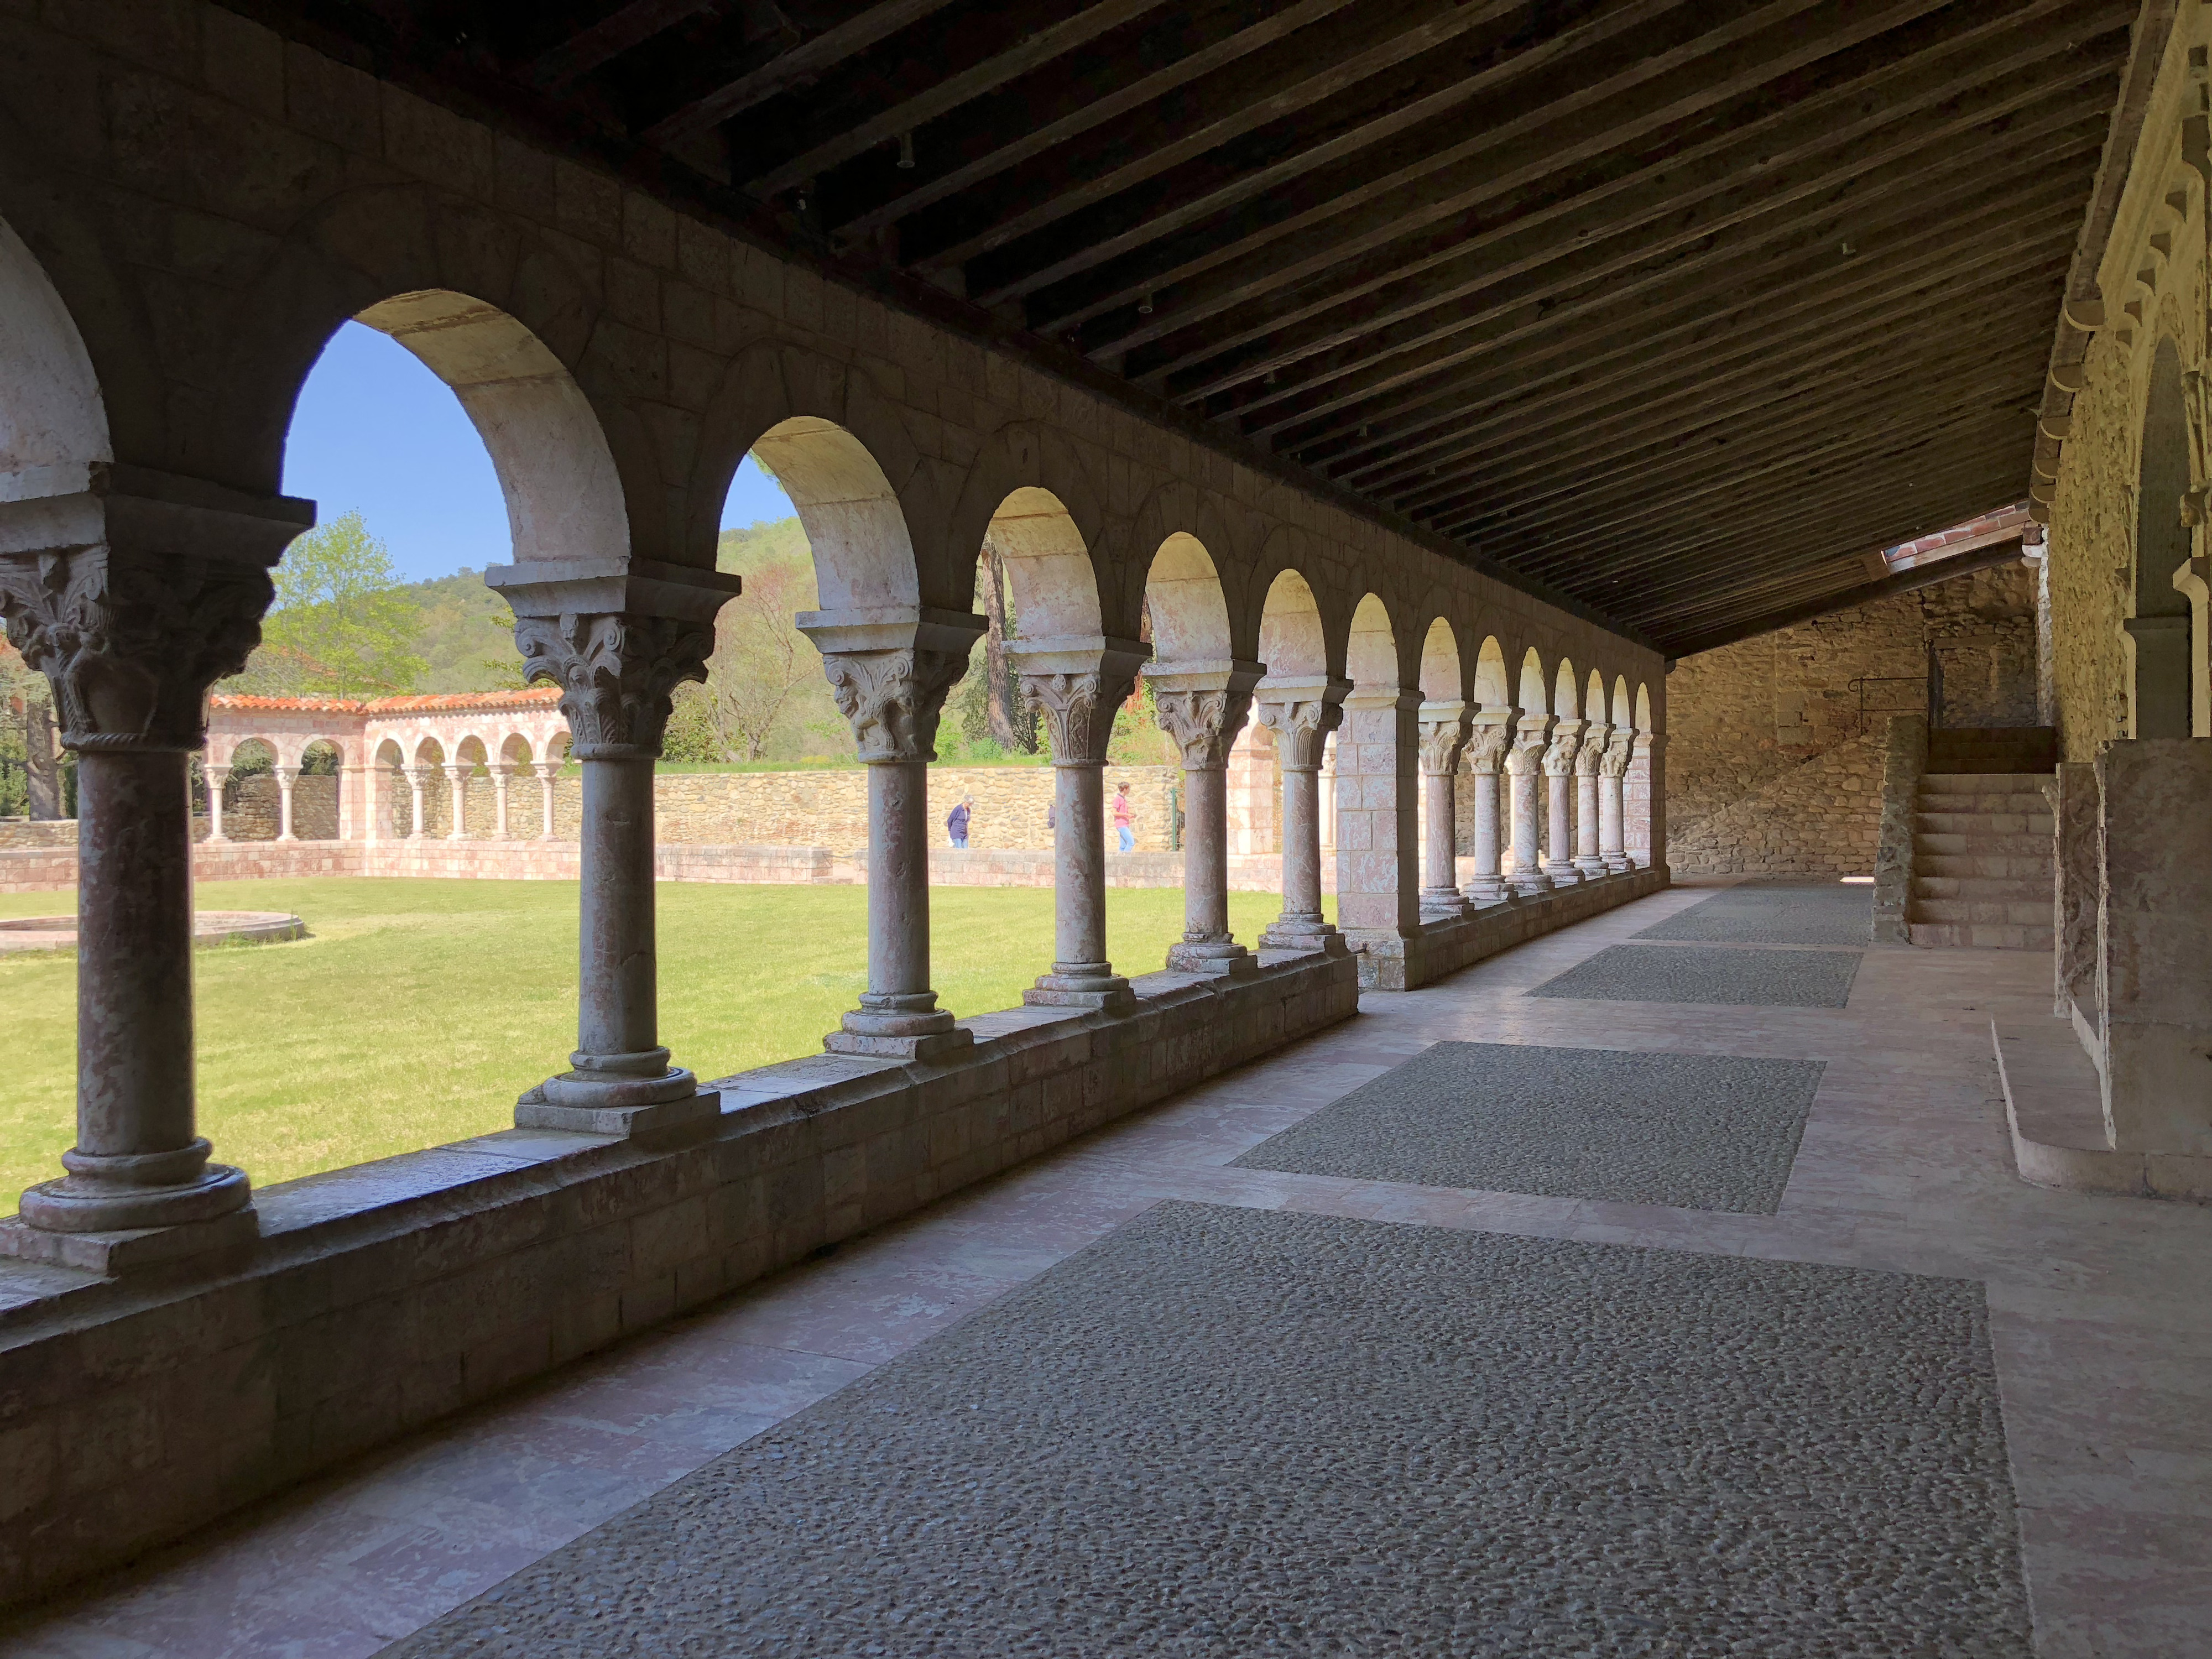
[342, 625]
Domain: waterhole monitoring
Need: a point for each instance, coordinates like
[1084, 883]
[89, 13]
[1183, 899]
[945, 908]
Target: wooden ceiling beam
[1771, 127]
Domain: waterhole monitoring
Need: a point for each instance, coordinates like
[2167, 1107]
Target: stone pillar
[1559, 789]
[357, 803]
[1444, 732]
[1588, 861]
[1378, 902]
[1611, 767]
[617, 644]
[502, 772]
[1643, 796]
[415, 776]
[889, 673]
[217, 777]
[1325, 783]
[1077, 684]
[1524, 765]
[457, 781]
[2076, 878]
[132, 598]
[1488, 739]
[285, 777]
[1301, 712]
[546, 771]
[1203, 707]
[2194, 581]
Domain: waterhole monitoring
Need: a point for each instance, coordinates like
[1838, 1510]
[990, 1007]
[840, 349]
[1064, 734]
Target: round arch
[54, 420]
[1370, 653]
[1594, 702]
[1189, 609]
[1531, 698]
[864, 557]
[1442, 678]
[1566, 699]
[1492, 688]
[1624, 713]
[1292, 643]
[1048, 565]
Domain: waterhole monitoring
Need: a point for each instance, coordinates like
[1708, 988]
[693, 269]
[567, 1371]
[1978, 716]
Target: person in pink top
[1124, 816]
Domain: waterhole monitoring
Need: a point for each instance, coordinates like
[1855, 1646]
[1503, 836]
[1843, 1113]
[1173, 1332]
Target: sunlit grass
[418, 1009]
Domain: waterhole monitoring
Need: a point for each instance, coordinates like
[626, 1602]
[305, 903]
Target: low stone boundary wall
[1445, 947]
[380, 1298]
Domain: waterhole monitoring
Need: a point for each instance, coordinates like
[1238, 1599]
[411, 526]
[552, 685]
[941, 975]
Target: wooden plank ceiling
[1678, 307]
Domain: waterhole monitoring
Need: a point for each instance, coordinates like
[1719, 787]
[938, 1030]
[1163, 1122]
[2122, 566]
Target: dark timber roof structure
[1678, 307]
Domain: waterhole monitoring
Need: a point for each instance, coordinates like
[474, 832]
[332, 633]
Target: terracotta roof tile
[535, 696]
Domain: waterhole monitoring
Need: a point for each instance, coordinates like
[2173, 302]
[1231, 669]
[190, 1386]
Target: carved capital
[617, 672]
[893, 698]
[1592, 749]
[1078, 710]
[1615, 762]
[1204, 724]
[1486, 745]
[1566, 741]
[1530, 737]
[1443, 729]
[132, 643]
[1301, 726]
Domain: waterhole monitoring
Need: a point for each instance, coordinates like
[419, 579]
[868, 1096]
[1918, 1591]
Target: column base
[127, 1193]
[1081, 985]
[1562, 873]
[1531, 884]
[1618, 864]
[1442, 904]
[1591, 865]
[898, 1026]
[1487, 889]
[1216, 959]
[120, 1250]
[1304, 931]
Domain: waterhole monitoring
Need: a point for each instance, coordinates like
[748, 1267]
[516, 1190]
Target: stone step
[1982, 823]
[1983, 783]
[2017, 867]
[1940, 844]
[1982, 800]
[1981, 936]
[1935, 884]
[2033, 912]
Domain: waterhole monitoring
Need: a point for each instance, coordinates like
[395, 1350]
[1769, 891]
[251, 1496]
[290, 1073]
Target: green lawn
[418, 1009]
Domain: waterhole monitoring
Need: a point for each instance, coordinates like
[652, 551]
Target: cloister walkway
[2104, 1372]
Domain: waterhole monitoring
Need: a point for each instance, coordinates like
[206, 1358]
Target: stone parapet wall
[1823, 817]
[383, 1296]
[18, 834]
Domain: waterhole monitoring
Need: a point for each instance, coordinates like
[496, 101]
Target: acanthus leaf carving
[893, 698]
[1204, 724]
[130, 646]
[1615, 762]
[1301, 726]
[618, 673]
[1529, 739]
[1591, 751]
[1559, 757]
[1440, 743]
[1078, 711]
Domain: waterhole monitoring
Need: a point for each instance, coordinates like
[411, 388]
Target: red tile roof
[456, 703]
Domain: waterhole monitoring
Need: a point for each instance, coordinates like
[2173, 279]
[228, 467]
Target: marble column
[1560, 786]
[415, 776]
[1203, 707]
[502, 773]
[546, 771]
[1488, 739]
[285, 777]
[1587, 859]
[1300, 714]
[1076, 684]
[1612, 766]
[889, 676]
[1443, 733]
[217, 777]
[1524, 765]
[617, 644]
[132, 598]
[457, 783]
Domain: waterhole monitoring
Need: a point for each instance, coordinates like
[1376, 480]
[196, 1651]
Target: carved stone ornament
[1592, 751]
[1615, 762]
[1526, 758]
[1440, 743]
[1486, 745]
[1559, 758]
[1300, 726]
[1204, 725]
[2196, 407]
[893, 698]
[1079, 711]
[130, 646]
[616, 673]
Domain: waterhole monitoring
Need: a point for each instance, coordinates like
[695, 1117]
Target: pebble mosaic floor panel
[1699, 1131]
[1778, 912]
[1714, 973]
[1228, 1432]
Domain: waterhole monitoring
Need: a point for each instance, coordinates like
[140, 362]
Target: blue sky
[377, 431]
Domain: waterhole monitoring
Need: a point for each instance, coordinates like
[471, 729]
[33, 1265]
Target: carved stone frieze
[893, 698]
[618, 673]
[1204, 724]
[130, 645]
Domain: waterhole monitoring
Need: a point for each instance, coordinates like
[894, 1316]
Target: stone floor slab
[1776, 912]
[1696, 1132]
[1690, 972]
[1230, 1431]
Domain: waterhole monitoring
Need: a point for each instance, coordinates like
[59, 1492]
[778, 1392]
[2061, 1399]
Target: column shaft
[1529, 876]
[217, 777]
[1484, 886]
[1301, 712]
[545, 801]
[457, 777]
[1611, 846]
[1206, 855]
[898, 883]
[1078, 857]
[285, 777]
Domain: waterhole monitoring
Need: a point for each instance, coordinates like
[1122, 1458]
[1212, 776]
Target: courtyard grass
[416, 1011]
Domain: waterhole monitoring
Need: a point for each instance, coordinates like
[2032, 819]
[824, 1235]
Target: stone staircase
[1981, 841]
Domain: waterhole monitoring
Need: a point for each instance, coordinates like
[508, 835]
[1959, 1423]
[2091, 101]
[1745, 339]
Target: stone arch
[336, 750]
[1643, 708]
[2158, 631]
[1531, 697]
[1178, 507]
[515, 749]
[1370, 652]
[1292, 641]
[1190, 609]
[53, 420]
[1048, 565]
[1443, 679]
[1594, 702]
[429, 752]
[1566, 697]
[864, 557]
[1492, 688]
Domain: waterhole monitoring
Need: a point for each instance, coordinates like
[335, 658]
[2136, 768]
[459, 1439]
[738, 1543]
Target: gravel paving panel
[1699, 1131]
[1225, 1432]
[1690, 972]
[1776, 914]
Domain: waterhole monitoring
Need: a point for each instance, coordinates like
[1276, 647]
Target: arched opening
[1371, 654]
[1186, 621]
[54, 422]
[315, 792]
[427, 764]
[389, 812]
[1531, 699]
[855, 531]
[1188, 612]
[1624, 711]
[1492, 690]
[1292, 642]
[1441, 679]
[1566, 701]
[1594, 697]
[2159, 631]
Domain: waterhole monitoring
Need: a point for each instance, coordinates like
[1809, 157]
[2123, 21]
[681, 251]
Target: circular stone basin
[208, 927]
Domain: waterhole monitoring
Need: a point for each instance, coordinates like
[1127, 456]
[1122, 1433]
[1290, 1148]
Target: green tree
[341, 624]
